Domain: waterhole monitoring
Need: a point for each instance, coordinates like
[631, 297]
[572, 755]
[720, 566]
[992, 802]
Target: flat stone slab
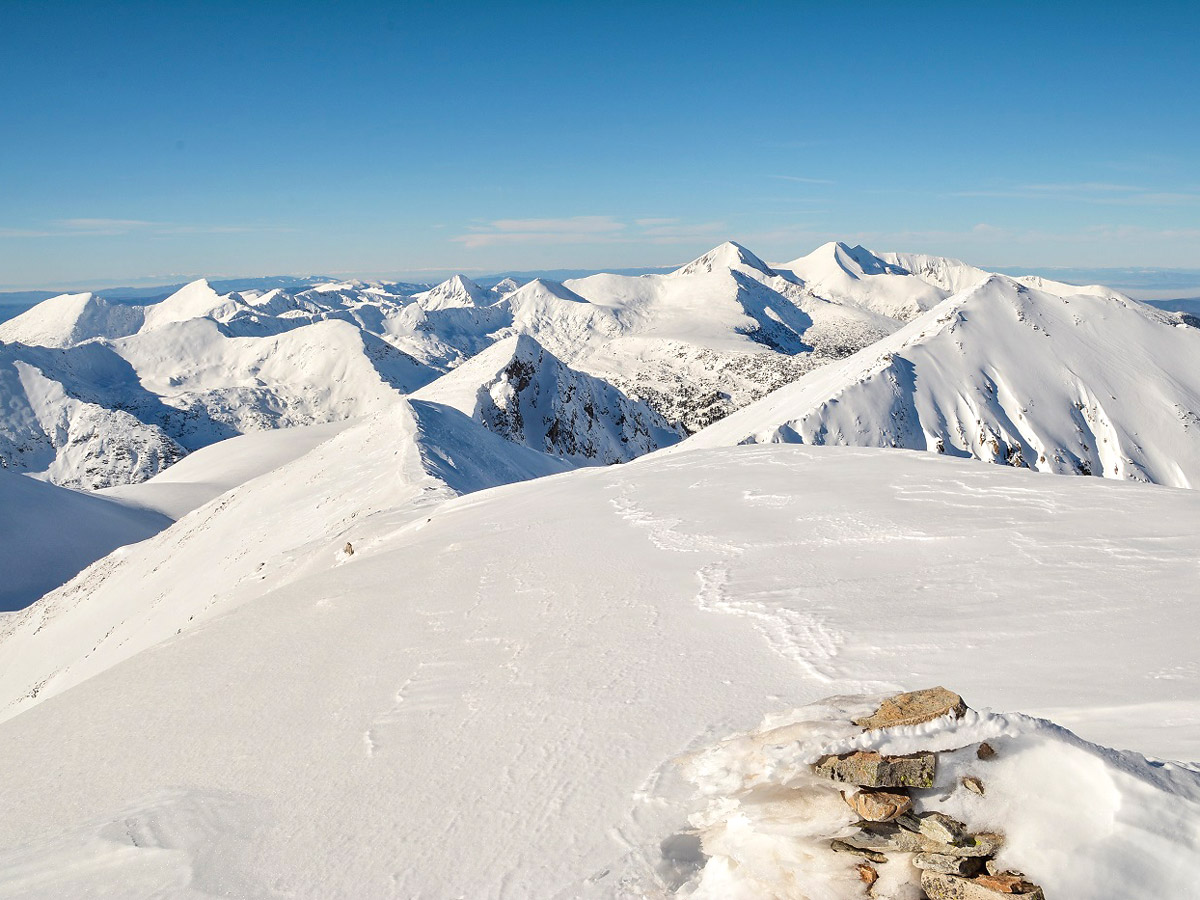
[878, 806]
[940, 886]
[867, 768]
[914, 708]
[940, 827]
[944, 864]
[890, 838]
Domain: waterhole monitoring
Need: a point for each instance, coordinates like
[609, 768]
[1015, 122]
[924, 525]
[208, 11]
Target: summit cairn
[951, 862]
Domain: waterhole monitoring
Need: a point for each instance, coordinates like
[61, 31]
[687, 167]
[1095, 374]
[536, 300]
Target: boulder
[913, 708]
[878, 806]
[867, 768]
[941, 886]
[985, 751]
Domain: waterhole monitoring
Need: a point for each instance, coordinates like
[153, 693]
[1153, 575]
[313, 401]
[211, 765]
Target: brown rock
[973, 784]
[865, 853]
[985, 751]
[941, 886]
[878, 806]
[914, 708]
[867, 768]
[1008, 884]
[867, 873]
[948, 865]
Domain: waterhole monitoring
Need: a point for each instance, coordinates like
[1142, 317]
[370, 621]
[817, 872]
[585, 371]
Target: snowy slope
[48, 534]
[211, 471]
[490, 700]
[520, 391]
[266, 532]
[1077, 384]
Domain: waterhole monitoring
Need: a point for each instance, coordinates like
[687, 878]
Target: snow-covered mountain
[520, 391]
[493, 695]
[167, 378]
[1092, 384]
[99, 394]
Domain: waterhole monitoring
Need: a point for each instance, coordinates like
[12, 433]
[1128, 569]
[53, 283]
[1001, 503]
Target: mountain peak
[456, 291]
[729, 255]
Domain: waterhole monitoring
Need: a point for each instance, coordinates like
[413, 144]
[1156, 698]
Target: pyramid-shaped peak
[543, 287]
[455, 291]
[729, 255]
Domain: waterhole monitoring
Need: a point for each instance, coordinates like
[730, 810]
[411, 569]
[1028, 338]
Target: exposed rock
[843, 847]
[940, 886]
[945, 864]
[994, 869]
[879, 806]
[889, 837]
[867, 768]
[913, 708]
[985, 751]
[941, 827]
[867, 873]
[348, 549]
[973, 784]
[1009, 883]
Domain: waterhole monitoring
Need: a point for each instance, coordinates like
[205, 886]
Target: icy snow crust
[490, 697]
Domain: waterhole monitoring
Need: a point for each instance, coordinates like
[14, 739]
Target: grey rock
[941, 827]
[867, 768]
[945, 864]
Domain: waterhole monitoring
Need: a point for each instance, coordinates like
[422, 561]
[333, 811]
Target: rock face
[879, 806]
[867, 768]
[914, 708]
[941, 886]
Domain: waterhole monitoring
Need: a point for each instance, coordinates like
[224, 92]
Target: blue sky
[152, 140]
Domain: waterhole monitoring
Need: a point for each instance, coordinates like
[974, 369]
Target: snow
[48, 534]
[1077, 384]
[491, 696]
[211, 471]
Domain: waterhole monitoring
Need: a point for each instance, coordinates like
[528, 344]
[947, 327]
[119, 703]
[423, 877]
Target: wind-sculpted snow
[490, 697]
[1075, 384]
[520, 391]
[48, 534]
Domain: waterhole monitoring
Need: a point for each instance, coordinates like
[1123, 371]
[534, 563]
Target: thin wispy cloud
[1095, 192]
[105, 227]
[799, 179]
[584, 230]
